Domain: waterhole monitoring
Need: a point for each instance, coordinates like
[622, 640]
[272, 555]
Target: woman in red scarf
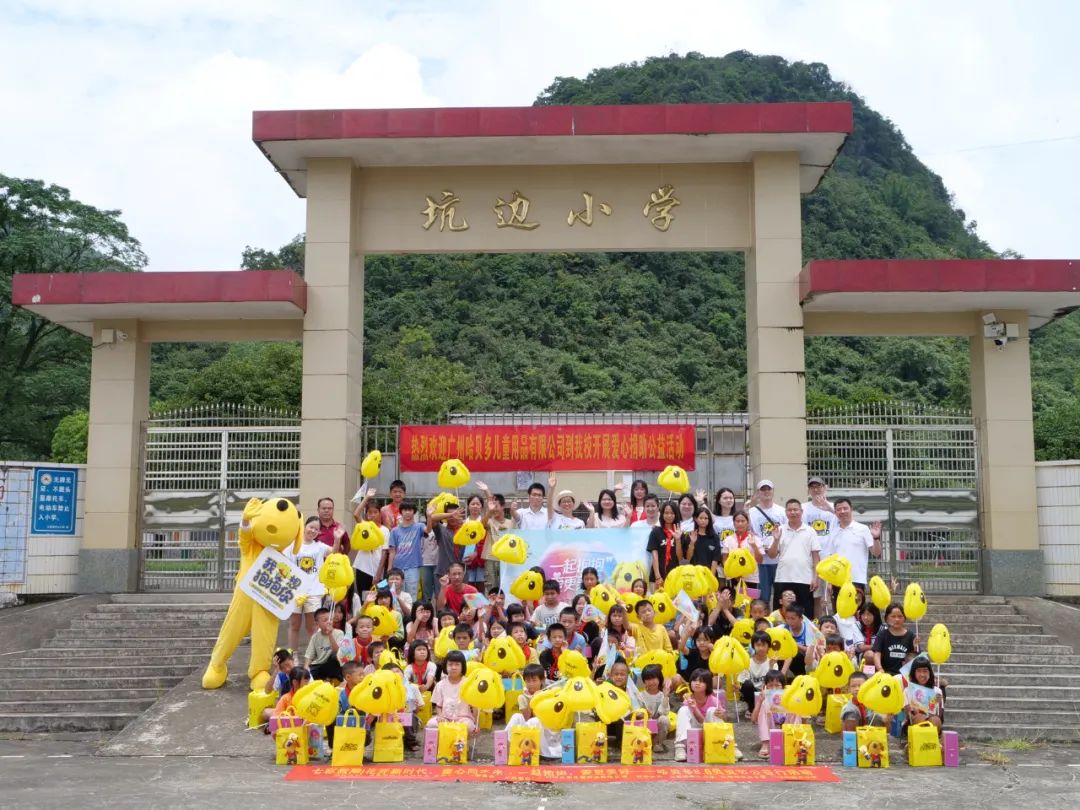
[663, 541]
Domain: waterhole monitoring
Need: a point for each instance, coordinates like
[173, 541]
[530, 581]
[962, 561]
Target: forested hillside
[644, 331]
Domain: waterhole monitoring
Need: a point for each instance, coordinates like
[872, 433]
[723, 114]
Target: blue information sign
[54, 500]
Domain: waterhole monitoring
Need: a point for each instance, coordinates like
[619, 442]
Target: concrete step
[163, 606]
[155, 683]
[179, 631]
[121, 623]
[1067, 677]
[956, 668]
[936, 611]
[176, 643]
[995, 638]
[94, 673]
[139, 655]
[959, 599]
[968, 618]
[1011, 657]
[174, 598]
[97, 694]
[64, 706]
[964, 631]
[1000, 731]
[1042, 692]
[44, 723]
[1066, 718]
[1011, 645]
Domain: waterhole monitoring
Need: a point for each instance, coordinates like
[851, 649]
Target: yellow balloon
[317, 702]
[337, 572]
[573, 664]
[674, 479]
[781, 644]
[510, 549]
[444, 642]
[685, 578]
[612, 703]
[834, 669]
[603, 597]
[625, 573]
[443, 502]
[879, 593]
[391, 656]
[337, 594]
[712, 584]
[381, 692]
[663, 658]
[663, 606]
[470, 533]
[372, 463]
[835, 570]
[629, 598]
[482, 688]
[504, 655]
[528, 586]
[743, 630]
[914, 602]
[883, 693]
[453, 474]
[550, 708]
[803, 696]
[384, 621]
[580, 694]
[728, 657]
[740, 563]
[939, 645]
[367, 536]
[847, 601]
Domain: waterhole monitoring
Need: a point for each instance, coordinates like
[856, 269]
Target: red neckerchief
[419, 670]
[361, 648]
[740, 539]
[669, 534]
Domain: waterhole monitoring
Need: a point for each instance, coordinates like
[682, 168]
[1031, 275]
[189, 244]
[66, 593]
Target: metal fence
[199, 467]
[914, 468]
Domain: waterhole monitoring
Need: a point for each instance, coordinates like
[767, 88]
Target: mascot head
[275, 522]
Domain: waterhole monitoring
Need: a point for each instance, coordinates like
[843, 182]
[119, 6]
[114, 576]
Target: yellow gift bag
[798, 744]
[453, 744]
[349, 739]
[718, 740]
[389, 740]
[512, 688]
[423, 711]
[923, 745]
[485, 719]
[872, 746]
[833, 707]
[524, 746]
[590, 743]
[292, 744]
[636, 739]
[258, 701]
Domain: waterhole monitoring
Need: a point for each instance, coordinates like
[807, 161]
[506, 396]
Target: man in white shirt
[797, 551]
[764, 515]
[855, 541]
[820, 516]
[535, 516]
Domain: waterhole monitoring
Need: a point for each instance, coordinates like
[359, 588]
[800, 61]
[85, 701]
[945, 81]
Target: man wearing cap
[564, 518]
[764, 515]
[820, 516]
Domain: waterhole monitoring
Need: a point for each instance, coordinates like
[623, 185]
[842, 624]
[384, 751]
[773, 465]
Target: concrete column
[775, 362]
[119, 402]
[333, 337]
[1001, 405]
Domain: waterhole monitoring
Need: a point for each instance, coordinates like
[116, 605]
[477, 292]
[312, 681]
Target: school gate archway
[699, 177]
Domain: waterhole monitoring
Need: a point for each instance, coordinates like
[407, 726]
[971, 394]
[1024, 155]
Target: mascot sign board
[273, 582]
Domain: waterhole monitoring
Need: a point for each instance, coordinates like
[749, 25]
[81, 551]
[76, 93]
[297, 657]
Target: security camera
[1001, 341]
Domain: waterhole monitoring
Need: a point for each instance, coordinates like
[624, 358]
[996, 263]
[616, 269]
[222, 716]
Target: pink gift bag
[693, 746]
[950, 742]
[502, 749]
[431, 746]
[776, 746]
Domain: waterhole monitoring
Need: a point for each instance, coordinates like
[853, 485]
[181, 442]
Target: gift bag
[590, 743]
[524, 746]
[316, 742]
[292, 745]
[453, 744]
[485, 719]
[389, 741]
[258, 702]
[346, 651]
[287, 719]
[798, 744]
[718, 740]
[512, 688]
[833, 708]
[923, 747]
[872, 746]
[349, 739]
[423, 711]
[636, 739]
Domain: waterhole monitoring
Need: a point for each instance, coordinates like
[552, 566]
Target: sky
[146, 106]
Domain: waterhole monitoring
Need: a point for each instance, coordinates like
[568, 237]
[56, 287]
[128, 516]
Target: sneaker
[738, 754]
[680, 752]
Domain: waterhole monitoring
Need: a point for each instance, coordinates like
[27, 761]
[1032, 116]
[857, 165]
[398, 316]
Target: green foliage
[69, 438]
[44, 369]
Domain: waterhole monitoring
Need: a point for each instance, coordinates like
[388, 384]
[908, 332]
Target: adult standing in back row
[764, 516]
[855, 541]
[797, 550]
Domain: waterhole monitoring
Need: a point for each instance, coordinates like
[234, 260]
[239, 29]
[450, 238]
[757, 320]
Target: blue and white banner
[565, 553]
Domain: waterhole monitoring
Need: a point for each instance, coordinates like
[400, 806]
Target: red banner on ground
[564, 774]
[506, 448]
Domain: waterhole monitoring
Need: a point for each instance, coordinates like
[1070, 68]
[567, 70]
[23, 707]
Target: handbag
[389, 740]
[636, 739]
[524, 746]
[834, 707]
[287, 719]
[512, 688]
[349, 739]
[453, 744]
[924, 746]
[798, 744]
[291, 743]
[423, 711]
[590, 743]
[719, 742]
[872, 747]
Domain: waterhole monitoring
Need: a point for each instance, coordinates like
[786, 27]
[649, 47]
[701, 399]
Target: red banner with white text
[506, 448]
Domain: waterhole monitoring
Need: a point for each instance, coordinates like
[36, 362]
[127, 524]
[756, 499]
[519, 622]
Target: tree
[44, 369]
[69, 438]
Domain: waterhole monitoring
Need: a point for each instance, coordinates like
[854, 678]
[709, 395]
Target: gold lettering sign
[518, 210]
[585, 217]
[445, 211]
[660, 204]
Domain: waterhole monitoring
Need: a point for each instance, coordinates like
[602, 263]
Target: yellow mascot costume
[275, 522]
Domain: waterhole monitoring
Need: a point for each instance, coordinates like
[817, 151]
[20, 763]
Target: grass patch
[995, 758]
[1017, 744]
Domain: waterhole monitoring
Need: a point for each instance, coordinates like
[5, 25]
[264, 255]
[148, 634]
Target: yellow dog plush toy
[275, 522]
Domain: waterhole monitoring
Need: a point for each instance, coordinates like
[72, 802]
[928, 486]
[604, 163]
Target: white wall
[1058, 493]
[51, 563]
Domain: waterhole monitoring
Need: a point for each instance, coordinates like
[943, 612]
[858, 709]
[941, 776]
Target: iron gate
[915, 469]
[199, 467]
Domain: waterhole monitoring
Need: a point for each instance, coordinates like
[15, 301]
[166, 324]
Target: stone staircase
[109, 665]
[1007, 677]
